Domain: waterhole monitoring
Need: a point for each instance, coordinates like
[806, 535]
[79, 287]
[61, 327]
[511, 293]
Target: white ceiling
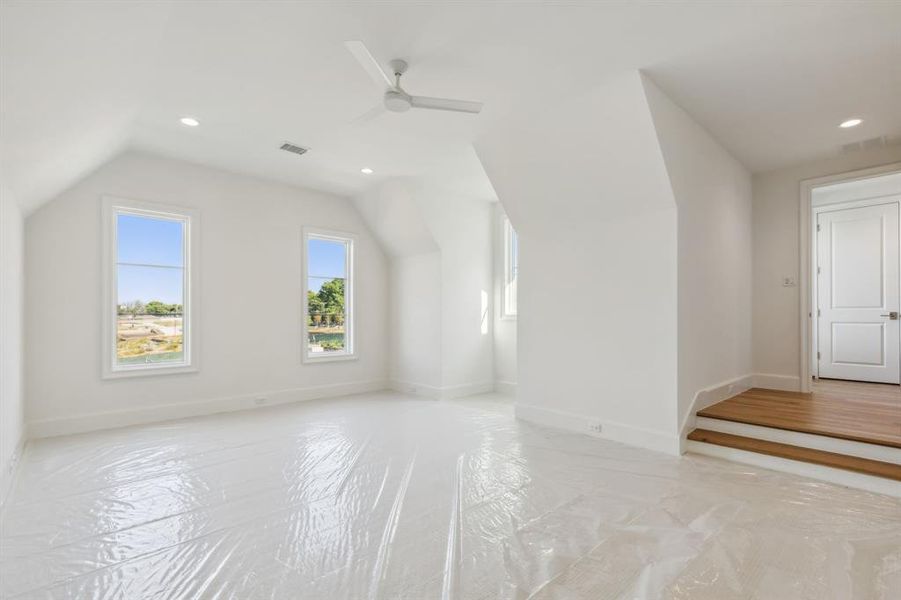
[79, 81]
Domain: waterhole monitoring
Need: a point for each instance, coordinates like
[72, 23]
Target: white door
[857, 292]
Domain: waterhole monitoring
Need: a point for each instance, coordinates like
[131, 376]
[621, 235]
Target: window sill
[149, 371]
[309, 360]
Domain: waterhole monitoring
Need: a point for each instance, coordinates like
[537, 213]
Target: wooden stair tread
[871, 414]
[819, 457]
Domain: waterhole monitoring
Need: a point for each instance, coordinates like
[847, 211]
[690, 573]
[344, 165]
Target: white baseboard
[168, 412]
[588, 425]
[441, 393]
[785, 383]
[713, 394]
[804, 440]
[879, 485]
[466, 389]
[505, 387]
[8, 476]
[413, 387]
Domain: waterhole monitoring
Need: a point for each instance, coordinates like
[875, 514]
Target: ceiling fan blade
[369, 64]
[370, 114]
[446, 104]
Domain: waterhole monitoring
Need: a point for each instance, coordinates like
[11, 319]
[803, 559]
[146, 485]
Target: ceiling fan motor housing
[397, 101]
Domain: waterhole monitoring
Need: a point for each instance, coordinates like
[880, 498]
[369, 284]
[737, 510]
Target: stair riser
[804, 440]
[843, 477]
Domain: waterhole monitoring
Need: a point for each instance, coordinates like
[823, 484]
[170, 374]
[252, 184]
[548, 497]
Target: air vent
[288, 147]
[876, 142]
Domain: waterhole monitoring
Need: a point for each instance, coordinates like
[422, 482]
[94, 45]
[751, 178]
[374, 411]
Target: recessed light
[189, 121]
[366, 171]
[851, 123]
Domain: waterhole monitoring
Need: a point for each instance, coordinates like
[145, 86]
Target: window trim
[509, 279]
[350, 239]
[112, 207]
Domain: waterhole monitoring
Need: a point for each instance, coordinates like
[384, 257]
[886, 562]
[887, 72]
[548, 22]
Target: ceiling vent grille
[289, 147]
[876, 142]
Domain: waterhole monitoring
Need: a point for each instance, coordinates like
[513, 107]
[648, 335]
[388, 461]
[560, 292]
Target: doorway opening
[851, 280]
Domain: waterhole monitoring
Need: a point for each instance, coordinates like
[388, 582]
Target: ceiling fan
[396, 99]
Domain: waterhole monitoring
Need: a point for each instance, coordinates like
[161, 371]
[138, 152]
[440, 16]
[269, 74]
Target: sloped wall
[713, 196]
[393, 212]
[586, 187]
[439, 245]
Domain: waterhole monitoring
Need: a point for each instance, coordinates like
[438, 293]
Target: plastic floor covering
[381, 496]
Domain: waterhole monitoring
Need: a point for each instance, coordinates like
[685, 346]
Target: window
[148, 318]
[511, 268]
[328, 307]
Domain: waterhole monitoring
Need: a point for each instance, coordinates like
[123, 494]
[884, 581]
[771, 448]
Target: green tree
[157, 308]
[332, 296]
[314, 304]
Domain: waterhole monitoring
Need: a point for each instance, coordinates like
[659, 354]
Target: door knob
[892, 315]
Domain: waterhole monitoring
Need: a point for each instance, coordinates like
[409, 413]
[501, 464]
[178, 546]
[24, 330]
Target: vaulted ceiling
[80, 81]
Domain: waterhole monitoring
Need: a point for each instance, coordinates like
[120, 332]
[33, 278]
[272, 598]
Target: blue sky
[148, 241]
[325, 262]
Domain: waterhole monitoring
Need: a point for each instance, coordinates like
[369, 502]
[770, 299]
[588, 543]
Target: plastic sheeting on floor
[386, 497]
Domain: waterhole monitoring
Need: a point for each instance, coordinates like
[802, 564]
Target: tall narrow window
[149, 290]
[511, 268]
[328, 310]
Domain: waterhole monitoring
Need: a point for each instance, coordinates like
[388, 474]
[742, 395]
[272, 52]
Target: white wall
[586, 187]
[12, 286]
[250, 271]
[713, 195]
[462, 229]
[439, 245]
[776, 254]
[393, 213]
[504, 327]
[415, 323]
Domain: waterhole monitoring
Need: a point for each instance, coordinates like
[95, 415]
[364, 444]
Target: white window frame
[112, 208]
[349, 239]
[509, 306]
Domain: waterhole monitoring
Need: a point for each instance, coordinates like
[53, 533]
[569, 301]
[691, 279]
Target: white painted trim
[111, 206]
[803, 440]
[870, 188]
[816, 210]
[350, 240]
[8, 478]
[505, 387]
[842, 477]
[609, 430]
[441, 393]
[466, 389]
[771, 381]
[805, 238]
[415, 388]
[509, 283]
[168, 412]
[713, 394]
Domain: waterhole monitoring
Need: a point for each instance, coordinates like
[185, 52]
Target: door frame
[808, 256]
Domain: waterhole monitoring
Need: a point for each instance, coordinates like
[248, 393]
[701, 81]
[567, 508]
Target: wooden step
[866, 416]
[818, 457]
